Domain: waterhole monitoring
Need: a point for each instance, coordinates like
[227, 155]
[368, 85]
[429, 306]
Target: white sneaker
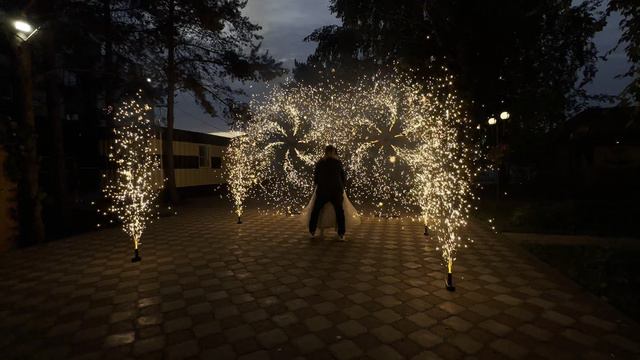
[342, 238]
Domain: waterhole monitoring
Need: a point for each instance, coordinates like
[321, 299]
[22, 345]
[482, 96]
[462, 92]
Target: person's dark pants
[321, 200]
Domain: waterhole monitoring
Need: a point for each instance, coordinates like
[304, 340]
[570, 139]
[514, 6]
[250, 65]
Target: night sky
[285, 23]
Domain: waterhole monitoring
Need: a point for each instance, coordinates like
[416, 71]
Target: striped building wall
[197, 164]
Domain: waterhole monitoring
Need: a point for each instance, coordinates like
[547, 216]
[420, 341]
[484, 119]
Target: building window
[204, 155]
[216, 162]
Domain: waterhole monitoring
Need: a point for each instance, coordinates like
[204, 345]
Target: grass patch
[575, 217]
[611, 274]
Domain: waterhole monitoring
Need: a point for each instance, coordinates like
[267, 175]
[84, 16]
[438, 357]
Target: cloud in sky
[285, 23]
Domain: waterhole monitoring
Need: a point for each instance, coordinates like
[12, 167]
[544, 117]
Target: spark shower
[406, 145]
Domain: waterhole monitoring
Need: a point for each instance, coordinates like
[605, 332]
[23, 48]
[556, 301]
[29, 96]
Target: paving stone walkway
[209, 288]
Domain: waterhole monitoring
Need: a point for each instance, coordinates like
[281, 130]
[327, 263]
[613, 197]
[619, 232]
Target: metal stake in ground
[136, 256]
[449, 282]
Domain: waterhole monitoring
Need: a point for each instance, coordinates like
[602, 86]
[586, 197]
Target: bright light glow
[492, 121]
[130, 185]
[419, 126]
[148, 80]
[23, 26]
[505, 115]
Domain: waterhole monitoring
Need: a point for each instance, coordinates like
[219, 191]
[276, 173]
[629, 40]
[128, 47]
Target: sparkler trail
[405, 144]
[131, 187]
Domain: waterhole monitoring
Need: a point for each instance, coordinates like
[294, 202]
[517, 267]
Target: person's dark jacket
[329, 177]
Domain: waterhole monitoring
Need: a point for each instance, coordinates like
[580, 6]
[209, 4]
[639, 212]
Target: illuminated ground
[208, 288]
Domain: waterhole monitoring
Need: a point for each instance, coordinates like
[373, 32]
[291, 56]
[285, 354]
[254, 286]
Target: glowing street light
[24, 29]
[23, 26]
[492, 121]
[505, 115]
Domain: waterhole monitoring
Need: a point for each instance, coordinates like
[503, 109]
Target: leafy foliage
[530, 57]
[213, 44]
[630, 39]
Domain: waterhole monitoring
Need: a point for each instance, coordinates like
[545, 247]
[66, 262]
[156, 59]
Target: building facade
[198, 158]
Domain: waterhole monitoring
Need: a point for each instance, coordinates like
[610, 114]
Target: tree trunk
[54, 113]
[29, 202]
[109, 72]
[167, 143]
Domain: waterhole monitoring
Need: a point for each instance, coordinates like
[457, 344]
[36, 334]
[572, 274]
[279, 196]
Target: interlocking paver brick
[457, 323]
[119, 339]
[465, 343]
[144, 346]
[224, 352]
[384, 352]
[351, 328]
[272, 338]
[425, 338]
[387, 315]
[422, 319]
[535, 332]
[557, 317]
[181, 323]
[509, 349]
[387, 334]
[262, 290]
[345, 349]
[597, 322]
[308, 343]
[206, 328]
[495, 327]
[318, 323]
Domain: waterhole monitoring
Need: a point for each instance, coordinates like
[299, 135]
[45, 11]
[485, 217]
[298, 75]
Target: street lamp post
[494, 122]
[23, 31]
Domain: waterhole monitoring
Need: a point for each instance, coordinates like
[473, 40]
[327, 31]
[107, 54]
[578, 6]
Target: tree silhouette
[528, 57]
[630, 39]
[200, 46]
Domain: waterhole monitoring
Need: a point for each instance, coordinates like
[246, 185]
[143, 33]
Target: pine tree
[630, 39]
[200, 46]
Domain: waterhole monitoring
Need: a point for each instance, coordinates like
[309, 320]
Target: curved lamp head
[23, 29]
[505, 115]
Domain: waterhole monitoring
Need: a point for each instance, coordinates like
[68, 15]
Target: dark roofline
[198, 137]
[605, 126]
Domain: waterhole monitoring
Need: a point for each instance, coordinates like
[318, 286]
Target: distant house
[599, 150]
[198, 158]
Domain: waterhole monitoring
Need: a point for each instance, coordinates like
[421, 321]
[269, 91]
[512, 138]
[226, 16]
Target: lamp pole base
[136, 256]
[449, 283]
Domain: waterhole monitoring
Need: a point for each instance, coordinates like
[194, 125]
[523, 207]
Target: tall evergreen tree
[630, 40]
[528, 57]
[200, 46]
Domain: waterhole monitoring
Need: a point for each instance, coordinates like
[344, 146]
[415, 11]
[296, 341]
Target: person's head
[330, 151]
